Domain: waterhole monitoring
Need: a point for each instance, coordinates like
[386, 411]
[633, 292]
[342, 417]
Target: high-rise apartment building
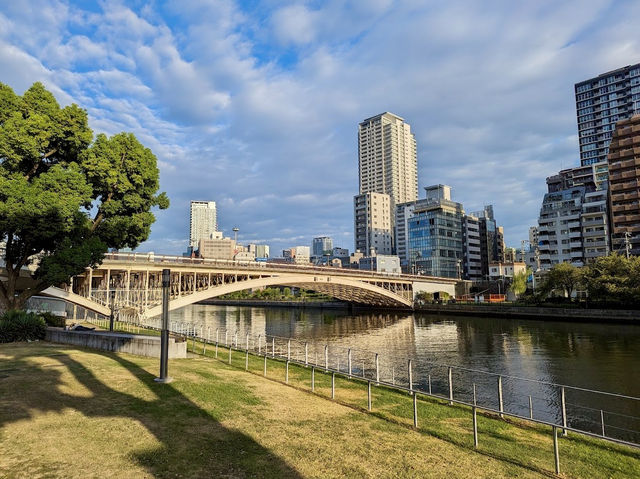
[203, 221]
[387, 160]
[600, 103]
[624, 186]
[373, 230]
[491, 239]
[472, 248]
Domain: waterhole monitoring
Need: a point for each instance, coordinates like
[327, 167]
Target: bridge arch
[336, 286]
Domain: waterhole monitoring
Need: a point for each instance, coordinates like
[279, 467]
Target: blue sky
[255, 105]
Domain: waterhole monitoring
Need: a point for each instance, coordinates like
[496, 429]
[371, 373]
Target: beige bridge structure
[131, 282]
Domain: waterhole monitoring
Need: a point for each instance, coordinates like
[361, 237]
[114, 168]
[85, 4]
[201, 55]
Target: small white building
[506, 270]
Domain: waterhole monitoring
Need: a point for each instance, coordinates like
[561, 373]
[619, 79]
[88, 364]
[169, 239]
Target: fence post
[475, 418]
[246, 360]
[556, 453]
[410, 371]
[429, 379]
[306, 353]
[415, 411]
[602, 421]
[564, 412]
[326, 357]
[204, 347]
[226, 337]
[289, 350]
[369, 395]
[333, 385]
[530, 408]
[500, 401]
[286, 374]
[265, 365]
[349, 361]
[273, 347]
[450, 387]
[377, 370]
[313, 378]
[229, 354]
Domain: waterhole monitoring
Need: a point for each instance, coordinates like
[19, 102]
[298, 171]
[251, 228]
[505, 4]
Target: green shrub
[21, 326]
[53, 320]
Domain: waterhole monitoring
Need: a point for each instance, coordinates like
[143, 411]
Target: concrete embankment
[139, 345]
[540, 313]
[280, 304]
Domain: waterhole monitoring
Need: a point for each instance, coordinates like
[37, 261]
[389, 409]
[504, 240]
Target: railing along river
[556, 405]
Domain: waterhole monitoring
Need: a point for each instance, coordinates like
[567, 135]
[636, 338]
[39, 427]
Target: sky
[256, 105]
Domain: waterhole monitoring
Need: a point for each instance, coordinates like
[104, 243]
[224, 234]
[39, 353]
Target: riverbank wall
[140, 345]
[534, 312]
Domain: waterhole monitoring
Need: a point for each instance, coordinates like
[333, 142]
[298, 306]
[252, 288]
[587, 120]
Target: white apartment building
[203, 221]
[373, 226]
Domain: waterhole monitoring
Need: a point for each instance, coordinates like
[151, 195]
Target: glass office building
[435, 235]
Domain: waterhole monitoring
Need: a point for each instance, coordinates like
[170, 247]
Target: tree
[423, 297]
[519, 283]
[63, 199]
[613, 279]
[563, 276]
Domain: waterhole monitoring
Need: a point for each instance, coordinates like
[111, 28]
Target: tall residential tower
[387, 164]
[600, 103]
[203, 222]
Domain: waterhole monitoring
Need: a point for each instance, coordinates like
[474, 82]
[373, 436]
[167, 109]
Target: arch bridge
[131, 283]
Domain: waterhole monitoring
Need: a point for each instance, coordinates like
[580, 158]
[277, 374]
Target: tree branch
[100, 215]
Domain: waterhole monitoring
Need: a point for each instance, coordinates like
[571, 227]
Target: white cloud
[258, 109]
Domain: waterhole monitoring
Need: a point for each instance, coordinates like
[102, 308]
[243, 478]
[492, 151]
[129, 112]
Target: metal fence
[562, 407]
[607, 415]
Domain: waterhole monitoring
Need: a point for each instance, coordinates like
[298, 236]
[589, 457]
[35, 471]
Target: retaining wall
[542, 313]
[140, 345]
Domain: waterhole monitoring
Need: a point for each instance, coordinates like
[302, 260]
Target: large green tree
[613, 279]
[64, 198]
[564, 277]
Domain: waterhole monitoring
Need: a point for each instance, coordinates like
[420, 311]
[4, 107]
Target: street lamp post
[112, 295]
[164, 335]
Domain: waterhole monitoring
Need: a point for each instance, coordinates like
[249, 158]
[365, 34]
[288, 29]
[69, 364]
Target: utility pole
[627, 243]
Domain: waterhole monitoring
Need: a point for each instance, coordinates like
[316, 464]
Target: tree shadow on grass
[193, 442]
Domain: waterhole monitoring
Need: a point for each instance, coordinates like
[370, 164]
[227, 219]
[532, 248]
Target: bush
[53, 320]
[21, 326]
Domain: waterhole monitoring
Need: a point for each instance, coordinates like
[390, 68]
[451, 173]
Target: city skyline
[257, 107]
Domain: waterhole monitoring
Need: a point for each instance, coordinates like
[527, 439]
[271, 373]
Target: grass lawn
[69, 412]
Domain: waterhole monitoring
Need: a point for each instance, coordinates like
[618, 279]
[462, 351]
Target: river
[602, 357]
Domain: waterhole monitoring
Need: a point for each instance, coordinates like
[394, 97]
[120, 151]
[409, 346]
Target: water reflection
[595, 356]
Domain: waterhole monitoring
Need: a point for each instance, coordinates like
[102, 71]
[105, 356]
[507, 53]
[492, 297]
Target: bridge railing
[260, 265]
[610, 416]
